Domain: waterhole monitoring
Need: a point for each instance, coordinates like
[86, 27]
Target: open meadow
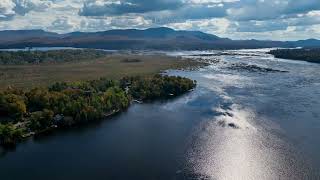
[111, 66]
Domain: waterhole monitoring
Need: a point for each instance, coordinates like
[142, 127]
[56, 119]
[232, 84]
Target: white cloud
[63, 24]
[10, 8]
[6, 9]
[132, 22]
[215, 26]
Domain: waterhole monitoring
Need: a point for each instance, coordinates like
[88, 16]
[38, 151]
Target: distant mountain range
[153, 38]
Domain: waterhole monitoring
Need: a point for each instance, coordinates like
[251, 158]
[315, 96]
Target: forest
[52, 56]
[67, 104]
[305, 54]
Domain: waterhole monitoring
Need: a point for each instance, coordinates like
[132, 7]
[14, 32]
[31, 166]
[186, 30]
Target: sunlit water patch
[243, 139]
[231, 146]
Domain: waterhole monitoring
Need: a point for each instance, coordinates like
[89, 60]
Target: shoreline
[94, 106]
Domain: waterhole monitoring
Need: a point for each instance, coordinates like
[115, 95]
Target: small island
[304, 54]
[63, 105]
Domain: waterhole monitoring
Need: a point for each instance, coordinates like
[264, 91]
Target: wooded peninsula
[62, 105]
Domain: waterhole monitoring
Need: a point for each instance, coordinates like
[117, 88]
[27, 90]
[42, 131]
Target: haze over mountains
[153, 38]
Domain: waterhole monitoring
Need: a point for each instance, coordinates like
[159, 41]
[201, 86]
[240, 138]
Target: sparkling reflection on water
[238, 124]
[242, 141]
[246, 151]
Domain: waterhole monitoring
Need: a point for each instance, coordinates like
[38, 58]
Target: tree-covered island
[303, 54]
[62, 105]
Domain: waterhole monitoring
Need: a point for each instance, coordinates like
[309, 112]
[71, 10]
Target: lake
[252, 116]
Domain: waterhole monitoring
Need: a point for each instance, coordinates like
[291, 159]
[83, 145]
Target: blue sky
[236, 19]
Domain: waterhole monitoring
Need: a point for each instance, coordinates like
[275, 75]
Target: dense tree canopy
[310, 55]
[53, 56]
[66, 104]
[156, 87]
[9, 134]
[12, 105]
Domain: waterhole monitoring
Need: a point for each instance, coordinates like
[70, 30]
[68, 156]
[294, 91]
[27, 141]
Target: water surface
[239, 123]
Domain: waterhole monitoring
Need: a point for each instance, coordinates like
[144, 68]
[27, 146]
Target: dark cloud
[170, 11]
[200, 12]
[302, 6]
[100, 8]
[246, 10]
[194, 12]
[24, 6]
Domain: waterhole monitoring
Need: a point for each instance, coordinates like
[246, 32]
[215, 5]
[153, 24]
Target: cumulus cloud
[6, 9]
[132, 22]
[63, 24]
[10, 8]
[215, 26]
